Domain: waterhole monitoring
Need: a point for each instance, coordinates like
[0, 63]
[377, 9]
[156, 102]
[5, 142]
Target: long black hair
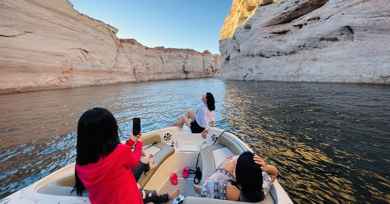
[210, 101]
[97, 136]
[249, 177]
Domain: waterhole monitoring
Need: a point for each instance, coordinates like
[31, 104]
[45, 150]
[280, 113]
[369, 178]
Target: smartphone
[136, 127]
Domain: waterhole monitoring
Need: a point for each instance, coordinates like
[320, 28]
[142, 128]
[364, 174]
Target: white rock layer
[312, 40]
[48, 44]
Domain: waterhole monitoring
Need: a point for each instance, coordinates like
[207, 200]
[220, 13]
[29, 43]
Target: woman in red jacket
[104, 165]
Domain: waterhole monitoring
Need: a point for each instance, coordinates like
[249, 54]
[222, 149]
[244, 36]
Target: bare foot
[181, 121]
[174, 194]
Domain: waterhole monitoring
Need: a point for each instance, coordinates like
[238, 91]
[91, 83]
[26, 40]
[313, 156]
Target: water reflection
[37, 130]
[331, 142]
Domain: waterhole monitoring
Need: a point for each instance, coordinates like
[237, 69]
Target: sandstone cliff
[48, 44]
[239, 13]
[308, 40]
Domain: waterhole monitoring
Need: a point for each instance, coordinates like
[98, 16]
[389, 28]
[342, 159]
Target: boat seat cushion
[232, 144]
[160, 152]
[163, 153]
[225, 141]
[208, 161]
[148, 139]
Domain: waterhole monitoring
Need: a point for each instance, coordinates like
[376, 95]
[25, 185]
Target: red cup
[173, 179]
[186, 172]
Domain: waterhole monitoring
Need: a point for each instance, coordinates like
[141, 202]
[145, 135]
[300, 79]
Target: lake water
[331, 142]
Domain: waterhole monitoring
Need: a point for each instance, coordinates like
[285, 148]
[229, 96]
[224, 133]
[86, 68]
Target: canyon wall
[345, 41]
[48, 44]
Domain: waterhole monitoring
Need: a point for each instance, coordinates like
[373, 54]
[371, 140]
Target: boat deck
[174, 149]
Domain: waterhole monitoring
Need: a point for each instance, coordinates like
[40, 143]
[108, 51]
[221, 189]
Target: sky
[191, 24]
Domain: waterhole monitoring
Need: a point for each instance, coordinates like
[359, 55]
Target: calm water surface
[331, 142]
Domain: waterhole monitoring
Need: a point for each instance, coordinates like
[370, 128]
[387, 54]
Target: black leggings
[154, 197]
[148, 196]
[140, 169]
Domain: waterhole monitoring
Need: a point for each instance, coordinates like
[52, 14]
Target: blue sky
[170, 23]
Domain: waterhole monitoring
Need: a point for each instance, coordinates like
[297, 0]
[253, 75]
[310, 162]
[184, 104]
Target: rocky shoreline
[50, 45]
[343, 41]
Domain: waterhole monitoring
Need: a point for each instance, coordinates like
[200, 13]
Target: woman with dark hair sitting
[246, 177]
[104, 166]
[203, 118]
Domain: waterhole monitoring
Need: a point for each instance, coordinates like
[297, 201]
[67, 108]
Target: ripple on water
[331, 142]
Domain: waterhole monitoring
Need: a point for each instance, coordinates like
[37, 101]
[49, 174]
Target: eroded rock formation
[48, 44]
[310, 40]
[239, 13]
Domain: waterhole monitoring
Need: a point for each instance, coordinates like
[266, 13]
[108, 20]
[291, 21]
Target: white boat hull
[57, 187]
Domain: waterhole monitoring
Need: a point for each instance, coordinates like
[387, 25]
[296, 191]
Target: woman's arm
[204, 133]
[270, 169]
[210, 118]
[232, 192]
[259, 160]
[132, 158]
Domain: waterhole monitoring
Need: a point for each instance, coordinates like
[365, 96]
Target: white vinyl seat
[208, 166]
[207, 161]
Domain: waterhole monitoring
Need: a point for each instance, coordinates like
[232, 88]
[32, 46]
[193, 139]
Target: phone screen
[136, 126]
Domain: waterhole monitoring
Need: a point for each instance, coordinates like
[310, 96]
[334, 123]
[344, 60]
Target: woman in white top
[203, 118]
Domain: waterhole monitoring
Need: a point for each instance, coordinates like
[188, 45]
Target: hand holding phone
[136, 127]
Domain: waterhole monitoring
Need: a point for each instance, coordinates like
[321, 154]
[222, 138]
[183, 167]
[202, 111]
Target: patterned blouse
[215, 185]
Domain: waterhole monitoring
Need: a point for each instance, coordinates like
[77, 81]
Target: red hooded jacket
[110, 180]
